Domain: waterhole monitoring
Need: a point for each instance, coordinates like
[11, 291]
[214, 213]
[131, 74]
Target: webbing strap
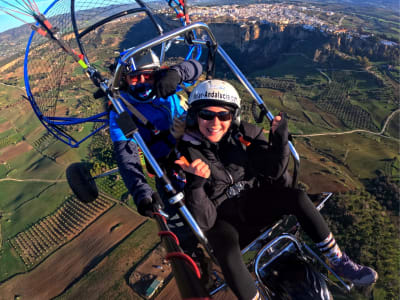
[137, 113]
[212, 50]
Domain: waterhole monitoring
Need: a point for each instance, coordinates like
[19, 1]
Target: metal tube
[189, 285]
[242, 78]
[112, 171]
[138, 138]
[155, 42]
[272, 243]
[193, 224]
[252, 92]
[322, 204]
[262, 236]
[221, 287]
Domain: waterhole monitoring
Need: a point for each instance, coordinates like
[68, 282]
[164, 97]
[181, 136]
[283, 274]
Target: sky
[8, 22]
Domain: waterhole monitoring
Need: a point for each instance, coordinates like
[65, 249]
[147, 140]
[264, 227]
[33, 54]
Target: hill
[315, 77]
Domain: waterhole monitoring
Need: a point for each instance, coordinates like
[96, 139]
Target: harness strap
[139, 116]
[157, 135]
[161, 136]
[212, 50]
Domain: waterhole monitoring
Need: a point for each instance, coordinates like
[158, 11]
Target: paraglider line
[21, 8]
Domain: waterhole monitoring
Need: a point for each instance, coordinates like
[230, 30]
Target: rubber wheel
[81, 182]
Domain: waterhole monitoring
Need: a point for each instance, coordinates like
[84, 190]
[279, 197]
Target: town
[283, 14]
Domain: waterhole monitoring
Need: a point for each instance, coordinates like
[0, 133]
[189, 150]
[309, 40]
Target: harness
[156, 134]
[233, 189]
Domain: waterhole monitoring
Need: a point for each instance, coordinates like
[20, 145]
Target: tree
[365, 231]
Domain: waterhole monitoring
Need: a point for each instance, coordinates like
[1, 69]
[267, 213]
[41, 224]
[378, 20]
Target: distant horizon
[8, 22]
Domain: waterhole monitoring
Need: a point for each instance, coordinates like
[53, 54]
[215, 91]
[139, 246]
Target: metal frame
[179, 35]
[113, 95]
[78, 36]
[303, 249]
[176, 198]
[54, 123]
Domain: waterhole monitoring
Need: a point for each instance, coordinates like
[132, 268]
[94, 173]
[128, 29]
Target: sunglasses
[210, 115]
[134, 78]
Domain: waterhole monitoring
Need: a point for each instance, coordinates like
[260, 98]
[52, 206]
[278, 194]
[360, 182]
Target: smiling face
[214, 129]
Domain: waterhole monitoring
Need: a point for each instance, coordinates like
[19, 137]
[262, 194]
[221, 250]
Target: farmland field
[91, 250]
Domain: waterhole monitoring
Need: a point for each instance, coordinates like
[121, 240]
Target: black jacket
[234, 167]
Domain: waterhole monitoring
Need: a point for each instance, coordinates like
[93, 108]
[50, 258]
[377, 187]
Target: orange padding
[187, 258]
[244, 142]
[41, 31]
[171, 234]
[47, 23]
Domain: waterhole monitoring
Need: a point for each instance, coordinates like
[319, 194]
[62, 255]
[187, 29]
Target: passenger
[151, 90]
[236, 176]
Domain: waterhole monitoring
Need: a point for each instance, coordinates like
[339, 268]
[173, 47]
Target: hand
[275, 123]
[178, 127]
[279, 129]
[197, 167]
[147, 206]
[165, 82]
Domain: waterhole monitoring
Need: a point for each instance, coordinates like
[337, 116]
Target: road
[33, 180]
[10, 85]
[355, 130]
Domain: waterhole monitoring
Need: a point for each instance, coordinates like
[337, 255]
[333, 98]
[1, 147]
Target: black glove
[178, 127]
[96, 77]
[165, 82]
[147, 206]
[279, 134]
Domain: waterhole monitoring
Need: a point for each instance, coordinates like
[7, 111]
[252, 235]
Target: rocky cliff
[263, 43]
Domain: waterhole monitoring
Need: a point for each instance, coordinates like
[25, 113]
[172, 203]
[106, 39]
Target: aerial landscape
[332, 66]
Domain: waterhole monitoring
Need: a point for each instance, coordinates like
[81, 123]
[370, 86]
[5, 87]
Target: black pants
[257, 207]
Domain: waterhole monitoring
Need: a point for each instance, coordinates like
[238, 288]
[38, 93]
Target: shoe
[357, 274]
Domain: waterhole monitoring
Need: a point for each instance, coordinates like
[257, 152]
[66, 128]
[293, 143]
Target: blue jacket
[159, 112]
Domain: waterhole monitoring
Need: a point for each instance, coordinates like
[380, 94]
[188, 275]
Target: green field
[10, 262]
[364, 153]
[109, 276]
[322, 90]
[10, 94]
[24, 203]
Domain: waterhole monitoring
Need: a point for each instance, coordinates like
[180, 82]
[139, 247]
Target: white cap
[214, 92]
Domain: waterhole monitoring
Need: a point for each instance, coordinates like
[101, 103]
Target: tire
[81, 182]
